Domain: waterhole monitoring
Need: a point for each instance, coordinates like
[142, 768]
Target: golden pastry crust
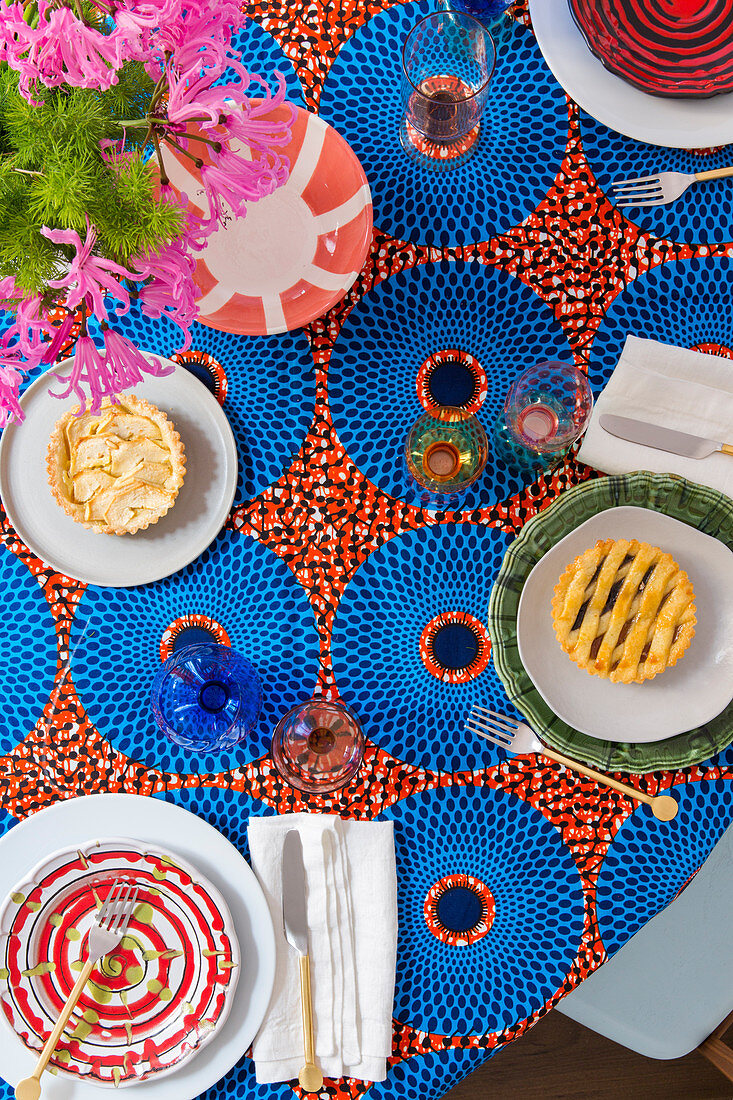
[624, 610]
[119, 470]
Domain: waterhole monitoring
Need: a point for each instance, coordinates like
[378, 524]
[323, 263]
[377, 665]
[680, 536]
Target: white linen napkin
[352, 928]
[674, 388]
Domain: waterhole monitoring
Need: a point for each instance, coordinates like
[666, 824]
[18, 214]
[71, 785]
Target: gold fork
[111, 923]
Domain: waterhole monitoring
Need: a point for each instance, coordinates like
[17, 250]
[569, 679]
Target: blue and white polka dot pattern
[686, 303]
[650, 861]
[28, 639]
[516, 157]
[509, 973]
[428, 1076]
[261, 54]
[375, 362]
[244, 587]
[377, 663]
[703, 214]
[271, 390]
[7, 821]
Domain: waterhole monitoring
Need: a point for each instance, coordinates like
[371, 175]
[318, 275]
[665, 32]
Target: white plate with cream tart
[125, 496]
[677, 577]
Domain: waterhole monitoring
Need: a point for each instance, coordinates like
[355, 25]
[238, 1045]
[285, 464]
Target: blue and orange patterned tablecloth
[515, 879]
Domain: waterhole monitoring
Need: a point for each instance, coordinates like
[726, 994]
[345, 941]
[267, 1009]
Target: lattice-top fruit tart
[118, 470]
[624, 610]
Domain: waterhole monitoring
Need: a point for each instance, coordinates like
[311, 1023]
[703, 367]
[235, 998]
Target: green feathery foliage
[52, 174]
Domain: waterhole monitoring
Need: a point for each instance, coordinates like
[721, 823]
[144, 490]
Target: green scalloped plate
[703, 508]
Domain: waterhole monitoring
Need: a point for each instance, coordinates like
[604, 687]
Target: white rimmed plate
[151, 821]
[155, 1001]
[195, 519]
[674, 123]
[681, 698]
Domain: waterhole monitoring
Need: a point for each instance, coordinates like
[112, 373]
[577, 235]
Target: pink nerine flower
[170, 290]
[58, 338]
[88, 369]
[244, 164]
[192, 32]
[30, 325]
[95, 376]
[137, 20]
[60, 49]
[90, 277]
[10, 380]
[190, 95]
[12, 367]
[126, 363]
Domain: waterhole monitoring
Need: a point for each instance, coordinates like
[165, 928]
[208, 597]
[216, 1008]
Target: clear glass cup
[548, 407]
[318, 746]
[206, 697]
[448, 60]
[446, 450]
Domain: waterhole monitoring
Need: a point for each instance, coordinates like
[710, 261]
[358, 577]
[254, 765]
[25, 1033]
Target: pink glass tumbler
[548, 407]
[318, 746]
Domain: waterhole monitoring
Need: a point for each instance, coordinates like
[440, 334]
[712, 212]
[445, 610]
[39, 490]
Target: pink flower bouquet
[120, 81]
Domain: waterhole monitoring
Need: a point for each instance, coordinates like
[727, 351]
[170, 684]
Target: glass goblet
[318, 746]
[493, 14]
[206, 697]
[548, 407]
[446, 450]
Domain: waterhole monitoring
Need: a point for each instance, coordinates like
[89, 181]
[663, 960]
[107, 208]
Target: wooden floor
[561, 1060]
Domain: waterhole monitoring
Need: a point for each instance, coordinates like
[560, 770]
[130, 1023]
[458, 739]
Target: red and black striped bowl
[676, 48]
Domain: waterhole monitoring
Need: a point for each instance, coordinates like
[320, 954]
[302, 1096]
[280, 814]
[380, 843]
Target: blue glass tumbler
[206, 697]
[492, 13]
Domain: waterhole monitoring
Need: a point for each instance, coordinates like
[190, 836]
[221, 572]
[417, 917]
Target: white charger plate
[151, 821]
[681, 698]
[674, 123]
[195, 519]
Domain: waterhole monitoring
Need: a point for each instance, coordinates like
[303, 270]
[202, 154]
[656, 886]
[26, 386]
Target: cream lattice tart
[119, 470]
[624, 610]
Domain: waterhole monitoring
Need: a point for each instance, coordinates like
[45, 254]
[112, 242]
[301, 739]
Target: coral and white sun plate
[151, 1004]
[297, 251]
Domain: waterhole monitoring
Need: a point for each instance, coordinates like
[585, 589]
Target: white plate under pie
[152, 821]
[195, 519]
[673, 123]
[682, 697]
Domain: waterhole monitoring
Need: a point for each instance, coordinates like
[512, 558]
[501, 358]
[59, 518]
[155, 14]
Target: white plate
[195, 519]
[151, 821]
[675, 123]
[681, 698]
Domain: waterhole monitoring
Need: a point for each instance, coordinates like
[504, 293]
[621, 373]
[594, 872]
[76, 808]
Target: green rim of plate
[705, 509]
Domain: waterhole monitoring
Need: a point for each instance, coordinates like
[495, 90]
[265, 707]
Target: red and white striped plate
[297, 251]
[676, 48]
[150, 1005]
